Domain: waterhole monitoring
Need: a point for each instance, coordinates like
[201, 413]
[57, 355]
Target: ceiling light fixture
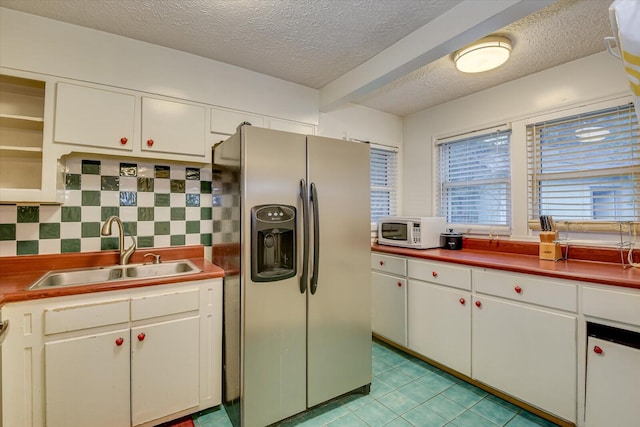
[483, 55]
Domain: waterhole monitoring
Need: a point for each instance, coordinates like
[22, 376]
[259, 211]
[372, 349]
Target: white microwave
[411, 232]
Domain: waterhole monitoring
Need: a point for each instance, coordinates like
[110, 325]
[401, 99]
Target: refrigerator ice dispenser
[273, 242]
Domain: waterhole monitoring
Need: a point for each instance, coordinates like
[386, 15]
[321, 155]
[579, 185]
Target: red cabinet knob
[119, 342]
[399, 284]
[478, 304]
[141, 336]
[381, 262]
[150, 142]
[434, 273]
[123, 141]
[518, 289]
[462, 301]
[598, 350]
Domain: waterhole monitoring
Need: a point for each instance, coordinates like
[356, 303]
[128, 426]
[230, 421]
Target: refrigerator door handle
[316, 238]
[305, 234]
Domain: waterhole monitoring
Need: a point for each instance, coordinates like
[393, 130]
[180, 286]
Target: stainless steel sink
[87, 276]
[160, 270]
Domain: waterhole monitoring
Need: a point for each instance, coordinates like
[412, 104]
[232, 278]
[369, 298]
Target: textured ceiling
[560, 33]
[313, 42]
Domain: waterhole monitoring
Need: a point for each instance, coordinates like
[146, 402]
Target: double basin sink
[87, 276]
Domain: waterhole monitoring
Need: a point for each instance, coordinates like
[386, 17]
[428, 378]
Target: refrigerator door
[273, 312]
[339, 312]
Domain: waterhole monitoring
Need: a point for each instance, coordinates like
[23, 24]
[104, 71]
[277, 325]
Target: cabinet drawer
[522, 287]
[148, 307]
[76, 317]
[441, 273]
[389, 264]
[609, 304]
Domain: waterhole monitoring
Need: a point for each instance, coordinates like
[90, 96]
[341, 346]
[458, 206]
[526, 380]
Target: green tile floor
[406, 391]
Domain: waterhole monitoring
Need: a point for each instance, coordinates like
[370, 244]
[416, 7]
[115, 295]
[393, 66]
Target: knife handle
[552, 226]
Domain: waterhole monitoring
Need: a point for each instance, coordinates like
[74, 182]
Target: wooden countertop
[17, 273]
[607, 273]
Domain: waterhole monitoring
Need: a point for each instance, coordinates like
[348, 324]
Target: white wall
[45, 46]
[362, 123]
[587, 80]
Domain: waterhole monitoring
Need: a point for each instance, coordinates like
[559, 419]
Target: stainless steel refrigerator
[297, 322]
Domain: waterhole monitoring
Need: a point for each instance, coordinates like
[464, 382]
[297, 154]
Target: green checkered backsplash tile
[160, 204]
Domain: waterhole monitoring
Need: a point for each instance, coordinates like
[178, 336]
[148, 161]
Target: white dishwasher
[613, 377]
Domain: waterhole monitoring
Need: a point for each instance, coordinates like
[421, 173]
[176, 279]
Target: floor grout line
[371, 407]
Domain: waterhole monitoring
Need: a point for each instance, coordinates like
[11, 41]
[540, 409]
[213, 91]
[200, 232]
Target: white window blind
[384, 171]
[473, 181]
[585, 168]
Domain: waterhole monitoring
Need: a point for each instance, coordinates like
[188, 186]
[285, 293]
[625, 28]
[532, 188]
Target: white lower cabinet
[164, 369]
[87, 380]
[439, 323]
[389, 297]
[389, 307]
[613, 384]
[439, 318]
[526, 352]
[123, 358]
[521, 334]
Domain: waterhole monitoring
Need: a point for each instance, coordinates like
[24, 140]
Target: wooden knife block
[548, 249]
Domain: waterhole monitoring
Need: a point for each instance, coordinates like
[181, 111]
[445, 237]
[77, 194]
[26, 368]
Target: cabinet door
[439, 324]
[87, 380]
[173, 127]
[288, 126]
[613, 384]
[94, 117]
[526, 352]
[227, 121]
[164, 368]
[389, 307]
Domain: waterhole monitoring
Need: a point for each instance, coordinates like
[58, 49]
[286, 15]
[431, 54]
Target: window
[473, 181]
[384, 172]
[585, 168]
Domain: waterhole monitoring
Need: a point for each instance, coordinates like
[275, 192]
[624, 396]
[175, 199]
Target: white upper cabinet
[103, 120]
[94, 117]
[289, 126]
[227, 121]
[173, 127]
[28, 170]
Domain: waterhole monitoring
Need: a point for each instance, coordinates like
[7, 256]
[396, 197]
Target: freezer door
[339, 312]
[273, 312]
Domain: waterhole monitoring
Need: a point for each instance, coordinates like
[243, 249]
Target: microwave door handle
[305, 236]
[316, 238]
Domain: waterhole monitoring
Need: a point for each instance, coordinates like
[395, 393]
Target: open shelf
[21, 122]
[21, 132]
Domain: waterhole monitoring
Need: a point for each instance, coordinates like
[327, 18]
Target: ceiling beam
[466, 22]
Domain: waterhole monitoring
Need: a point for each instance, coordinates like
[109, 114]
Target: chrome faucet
[125, 254]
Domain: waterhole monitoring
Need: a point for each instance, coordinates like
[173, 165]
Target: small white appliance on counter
[411, 232]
